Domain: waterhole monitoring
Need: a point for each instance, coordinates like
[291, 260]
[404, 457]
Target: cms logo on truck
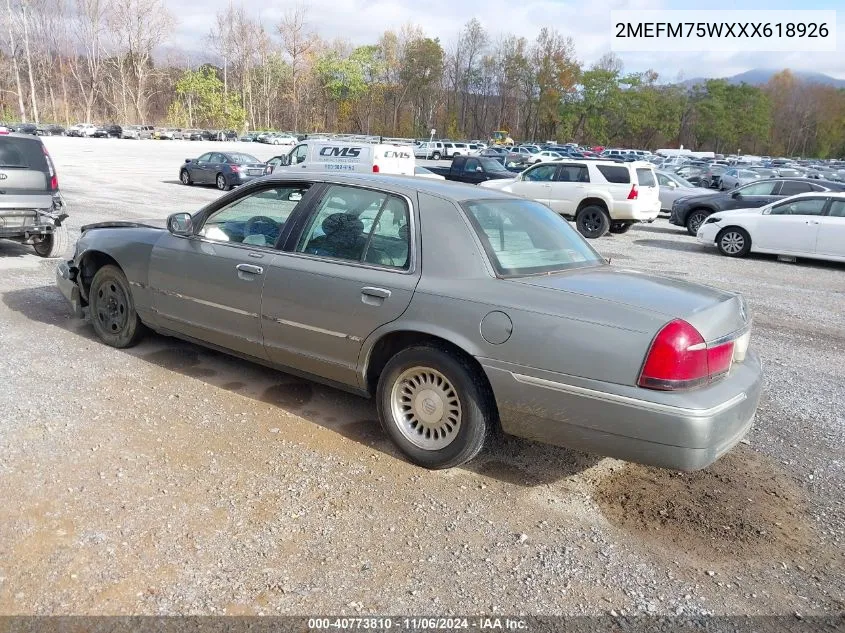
[391, 154]
[346, 152]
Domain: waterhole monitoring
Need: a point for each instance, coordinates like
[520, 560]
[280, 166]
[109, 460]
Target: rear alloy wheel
[53, 244]
[435, 156]
[185, 177]
[695, 220]
[733, 242]
[592, 222]
[222, 185]
[620, 227]
[112, 309]
[434, 407]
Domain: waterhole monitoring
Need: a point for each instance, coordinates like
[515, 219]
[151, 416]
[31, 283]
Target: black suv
[691, 211]
[31, 207]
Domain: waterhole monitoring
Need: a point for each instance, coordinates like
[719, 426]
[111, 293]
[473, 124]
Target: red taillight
[54, 178]
[632, 195]
[235, 168]
[719, 359]
[375, 169]
[680, 359]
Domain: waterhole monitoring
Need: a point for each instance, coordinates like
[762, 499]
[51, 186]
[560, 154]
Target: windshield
[523, 237]
[491, 165]
[241, 159]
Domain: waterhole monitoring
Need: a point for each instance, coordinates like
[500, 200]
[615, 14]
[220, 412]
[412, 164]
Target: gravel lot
[169, 479]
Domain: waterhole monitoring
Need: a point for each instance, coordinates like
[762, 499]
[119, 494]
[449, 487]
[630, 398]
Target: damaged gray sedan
[462, 311]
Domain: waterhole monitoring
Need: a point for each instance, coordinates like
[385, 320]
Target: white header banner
[729, 31]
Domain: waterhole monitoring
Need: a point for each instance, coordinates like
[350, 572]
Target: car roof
[28, 137]
[404, 185]
[816, 194]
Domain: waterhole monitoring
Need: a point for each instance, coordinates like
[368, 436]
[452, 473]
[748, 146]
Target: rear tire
[112, 309]
[592, 221]
[54, 244]
[222, 185]
[434, 406]
[695, 220]
[620, 227]
[733, 242]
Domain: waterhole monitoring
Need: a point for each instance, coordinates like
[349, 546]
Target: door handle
[812, 222]
[381, 293]
[249, 268]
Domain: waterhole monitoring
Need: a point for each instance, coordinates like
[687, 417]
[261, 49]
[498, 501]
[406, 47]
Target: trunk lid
[714, 313]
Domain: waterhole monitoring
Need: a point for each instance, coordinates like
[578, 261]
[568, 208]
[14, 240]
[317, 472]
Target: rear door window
[615, 174]
[573, 173]
[790, 188]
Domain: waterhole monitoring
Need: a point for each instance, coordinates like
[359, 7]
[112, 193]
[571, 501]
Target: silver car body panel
[564, 371]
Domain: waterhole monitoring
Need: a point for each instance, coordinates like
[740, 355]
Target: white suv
[430, 149]
[600, 195]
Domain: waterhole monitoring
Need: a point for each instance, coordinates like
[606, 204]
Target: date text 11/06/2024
[417, 624]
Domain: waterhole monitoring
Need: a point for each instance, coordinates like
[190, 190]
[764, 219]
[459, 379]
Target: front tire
[112, 309]
[185, 177]
[434, 406]
[695, 220]
[54, 244]
[222, 185]
[592, 222]
[733, 242]
[435, 156]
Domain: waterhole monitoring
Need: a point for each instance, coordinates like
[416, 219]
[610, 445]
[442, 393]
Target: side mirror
[479, 169]
[736, 194]
[284, 161]
[673, 184]
[188, 160]
[180, 224]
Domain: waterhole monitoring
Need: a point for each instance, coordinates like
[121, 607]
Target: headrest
[342, 223]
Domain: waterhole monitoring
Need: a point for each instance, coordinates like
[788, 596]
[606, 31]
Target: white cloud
[586, 21]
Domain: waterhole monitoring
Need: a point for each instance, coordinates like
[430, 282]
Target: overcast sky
[586, 21]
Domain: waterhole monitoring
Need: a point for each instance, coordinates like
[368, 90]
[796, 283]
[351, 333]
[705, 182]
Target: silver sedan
[673, 187]
[462, 311]
[733, 178]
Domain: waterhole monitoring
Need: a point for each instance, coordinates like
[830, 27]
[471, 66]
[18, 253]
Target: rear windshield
[22, 153]
[645, 177]
[492, 166]
[242, 159]
[523, 237]
[615, 174]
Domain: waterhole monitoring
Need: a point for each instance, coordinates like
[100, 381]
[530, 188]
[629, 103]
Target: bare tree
[297, 42]
[139, 26]
[14, 56]
[33, 98]
[221, 39]
[89, 26]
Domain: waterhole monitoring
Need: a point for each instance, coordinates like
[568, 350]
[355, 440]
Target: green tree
[201, 101]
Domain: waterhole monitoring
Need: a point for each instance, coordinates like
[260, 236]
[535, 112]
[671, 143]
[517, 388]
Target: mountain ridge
[759, 76]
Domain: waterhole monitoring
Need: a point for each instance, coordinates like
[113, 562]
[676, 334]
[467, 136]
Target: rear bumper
[29, 223]
[680, 431]
[637, 210]
[67, 286]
